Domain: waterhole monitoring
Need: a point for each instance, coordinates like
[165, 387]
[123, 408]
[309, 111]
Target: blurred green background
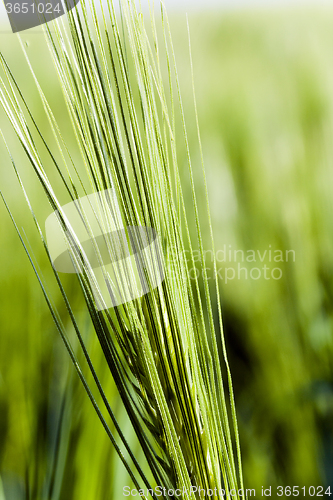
[264, 83]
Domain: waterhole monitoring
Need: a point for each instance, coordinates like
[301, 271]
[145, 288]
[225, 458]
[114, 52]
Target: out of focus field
[264, 83]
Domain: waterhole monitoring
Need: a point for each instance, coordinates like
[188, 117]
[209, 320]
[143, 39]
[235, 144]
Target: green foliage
[161, 349]
[263, 84]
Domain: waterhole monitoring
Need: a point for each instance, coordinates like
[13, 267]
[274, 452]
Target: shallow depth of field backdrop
[264, 82]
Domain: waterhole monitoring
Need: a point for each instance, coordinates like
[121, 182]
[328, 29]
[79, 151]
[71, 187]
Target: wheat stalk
[161, 349]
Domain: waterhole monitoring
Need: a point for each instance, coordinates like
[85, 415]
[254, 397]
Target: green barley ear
[160, 342]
